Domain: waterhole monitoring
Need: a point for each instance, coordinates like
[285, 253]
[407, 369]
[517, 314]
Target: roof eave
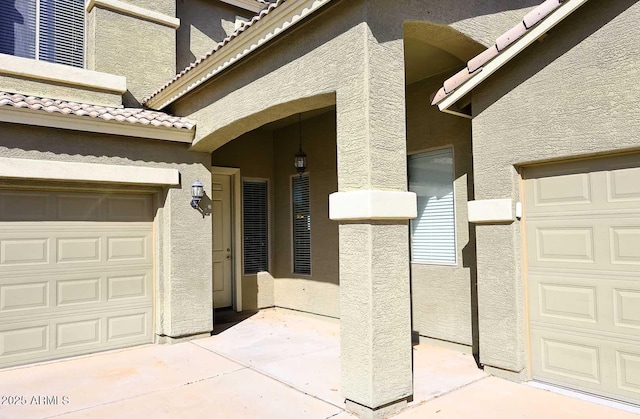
[253, 38]
[447, 104]
[89, 124]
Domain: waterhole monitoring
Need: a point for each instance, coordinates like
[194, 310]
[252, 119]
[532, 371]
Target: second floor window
[47, 30]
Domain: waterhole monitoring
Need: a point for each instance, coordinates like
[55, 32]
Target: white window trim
[291, 240]
[455, 214]
[269, 228]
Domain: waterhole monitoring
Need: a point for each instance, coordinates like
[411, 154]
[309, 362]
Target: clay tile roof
[129, 115]
[476, 63]
[270, 6]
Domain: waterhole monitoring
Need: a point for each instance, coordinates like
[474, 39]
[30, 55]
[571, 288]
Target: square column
[373, 207]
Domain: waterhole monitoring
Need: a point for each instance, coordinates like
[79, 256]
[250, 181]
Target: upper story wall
[204, 23]
[107, 44]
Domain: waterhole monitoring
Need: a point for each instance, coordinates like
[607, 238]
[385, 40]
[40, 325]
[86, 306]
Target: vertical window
[255, 223]
[433, 236]
[301, 224]
[48, 30]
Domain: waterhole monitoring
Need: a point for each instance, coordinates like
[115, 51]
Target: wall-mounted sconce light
[300, 159]
[197, 192]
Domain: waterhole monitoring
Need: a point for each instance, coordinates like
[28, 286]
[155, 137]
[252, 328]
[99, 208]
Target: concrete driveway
[274, 364]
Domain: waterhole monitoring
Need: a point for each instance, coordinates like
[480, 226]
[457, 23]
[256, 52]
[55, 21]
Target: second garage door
[583, 248]
[75, 273]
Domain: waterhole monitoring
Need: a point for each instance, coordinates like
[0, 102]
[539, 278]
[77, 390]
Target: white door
[221, 207]
[583, 239]
[75, 273]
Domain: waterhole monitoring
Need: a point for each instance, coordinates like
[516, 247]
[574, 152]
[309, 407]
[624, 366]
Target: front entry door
[221, 206]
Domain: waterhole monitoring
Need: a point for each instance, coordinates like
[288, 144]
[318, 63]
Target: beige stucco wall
[182, 294]
[268, 154]
[252, 153]
[318, 293]
[203, 23]
[441, 295]
[141, 50]
[574, 94]
[351, 54]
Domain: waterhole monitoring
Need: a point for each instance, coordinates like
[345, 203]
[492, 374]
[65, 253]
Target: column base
[164, 339]
[381, 412]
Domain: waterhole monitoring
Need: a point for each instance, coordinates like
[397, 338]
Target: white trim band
[490, 211]
[373, 205]
[63, 74]
[86, 172]
[136, 11]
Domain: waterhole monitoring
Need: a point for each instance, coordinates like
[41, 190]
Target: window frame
[38, 30]
[455, 215]
[269, 228]
[292, 232]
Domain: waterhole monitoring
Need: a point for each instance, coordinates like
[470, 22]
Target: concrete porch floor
[274, 364]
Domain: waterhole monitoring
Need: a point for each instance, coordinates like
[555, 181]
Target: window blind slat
[59, 35]
[255, 222]
[301, 225]
[433, 237]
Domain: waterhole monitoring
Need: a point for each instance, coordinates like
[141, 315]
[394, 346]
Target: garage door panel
[605, 243]
[607, 367]
[25, 206]
[46, 338]
[625, 243]
[626, 308]
[75, 274]
[583, 251]
[623, 185]
[600, 303]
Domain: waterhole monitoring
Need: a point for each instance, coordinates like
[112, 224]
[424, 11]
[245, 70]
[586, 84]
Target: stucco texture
[442, 295]
[182, 294]
[203, 24]
[350, 55]
[574, 94]
[131, 47]
[267, 153]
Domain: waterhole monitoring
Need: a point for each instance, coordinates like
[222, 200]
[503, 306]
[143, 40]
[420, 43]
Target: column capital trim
[373, 205]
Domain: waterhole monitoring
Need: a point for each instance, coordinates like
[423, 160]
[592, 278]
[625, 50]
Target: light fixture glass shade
[300, 161]
[197, 192]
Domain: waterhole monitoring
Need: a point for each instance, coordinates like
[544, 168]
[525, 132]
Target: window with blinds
[255, 223]
[301, 225]
[47, 30]
[433, 233]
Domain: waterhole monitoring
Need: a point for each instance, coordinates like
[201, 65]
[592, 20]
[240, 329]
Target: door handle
[228, 253]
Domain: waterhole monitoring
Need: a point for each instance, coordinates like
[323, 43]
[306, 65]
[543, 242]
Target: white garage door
[583, 247]
[75, 273]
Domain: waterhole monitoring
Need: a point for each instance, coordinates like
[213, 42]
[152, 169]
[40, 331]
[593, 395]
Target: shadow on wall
[202, 25]
[581, 24]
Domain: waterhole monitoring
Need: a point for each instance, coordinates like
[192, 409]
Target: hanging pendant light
[300, 159]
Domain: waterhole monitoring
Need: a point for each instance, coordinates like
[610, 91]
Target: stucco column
[373, 207]
[184, 250]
